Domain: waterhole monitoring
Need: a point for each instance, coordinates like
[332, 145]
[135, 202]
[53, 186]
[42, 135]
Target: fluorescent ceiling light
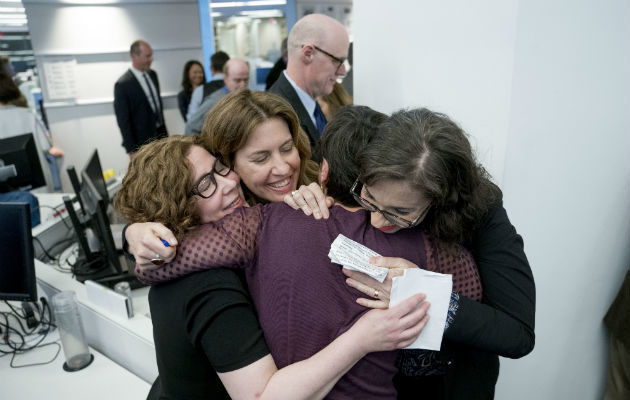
[13, 16]
[216, 14]
[90, 2]
[263, 13]
[248, 3]
[12, 22]
[12, 9]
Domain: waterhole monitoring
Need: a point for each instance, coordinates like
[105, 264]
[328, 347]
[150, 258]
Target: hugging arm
[503, 323]
[229, 242]
[313, 378]
[219, 319]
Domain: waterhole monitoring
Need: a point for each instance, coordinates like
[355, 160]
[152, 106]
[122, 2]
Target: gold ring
[376, 293]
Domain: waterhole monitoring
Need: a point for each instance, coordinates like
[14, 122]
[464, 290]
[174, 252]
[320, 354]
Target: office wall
[543, 89]
[91, 40]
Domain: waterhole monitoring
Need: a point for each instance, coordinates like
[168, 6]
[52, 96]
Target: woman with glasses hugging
[419, 169]
[258, 135]
[208, 341]
[301, 297]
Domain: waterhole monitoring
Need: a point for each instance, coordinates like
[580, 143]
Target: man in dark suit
[137, 100]
[278, 67]
[317, 49]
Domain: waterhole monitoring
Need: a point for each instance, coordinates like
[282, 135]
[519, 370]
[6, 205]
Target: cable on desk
[55, 209]
[36, 240]
[23, 345]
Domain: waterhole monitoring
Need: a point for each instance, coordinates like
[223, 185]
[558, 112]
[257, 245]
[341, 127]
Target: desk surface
[127, 341]
[103, 379]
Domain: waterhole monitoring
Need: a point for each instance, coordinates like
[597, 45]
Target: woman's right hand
[311, 200]
[394, 328]
[143, 240]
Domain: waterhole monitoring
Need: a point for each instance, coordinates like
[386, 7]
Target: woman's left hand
[379, 292]
[311, 200]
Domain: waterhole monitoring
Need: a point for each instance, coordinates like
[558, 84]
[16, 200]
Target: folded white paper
[355, 256]
[438, 288]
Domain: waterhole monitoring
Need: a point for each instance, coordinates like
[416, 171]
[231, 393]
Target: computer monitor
[96, 207]
[98, 257]
[21, 153]
[17, 261]
[94, 171]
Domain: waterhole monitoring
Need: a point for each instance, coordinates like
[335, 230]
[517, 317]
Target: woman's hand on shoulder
[144, 241]
[311, 200]
[394, 328]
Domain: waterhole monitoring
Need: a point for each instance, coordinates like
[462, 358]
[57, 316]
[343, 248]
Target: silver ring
[293, 193]
[376, 293]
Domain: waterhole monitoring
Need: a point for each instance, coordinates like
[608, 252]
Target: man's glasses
[337, 61]
[393, 218]
[207, 185]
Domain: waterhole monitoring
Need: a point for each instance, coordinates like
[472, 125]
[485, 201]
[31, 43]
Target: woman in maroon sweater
[420, 169]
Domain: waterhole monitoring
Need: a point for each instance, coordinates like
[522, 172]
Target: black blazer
[134, 114]
[283, 88]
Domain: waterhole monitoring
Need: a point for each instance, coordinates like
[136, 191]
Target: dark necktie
[320, 119]
[156, 111]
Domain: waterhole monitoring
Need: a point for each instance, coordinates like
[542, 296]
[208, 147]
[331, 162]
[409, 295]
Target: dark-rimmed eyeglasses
[206, 186]
[339, 61]
[393, 218]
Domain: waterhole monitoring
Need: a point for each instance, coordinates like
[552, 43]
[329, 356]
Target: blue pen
[164, 242]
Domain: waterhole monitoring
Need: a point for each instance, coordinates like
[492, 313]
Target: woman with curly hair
[208, 341]
[193, 77]
[258, 135]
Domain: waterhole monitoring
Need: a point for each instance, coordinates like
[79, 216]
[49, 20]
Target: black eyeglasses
[393, 218]
[207, 185]
[339, 61]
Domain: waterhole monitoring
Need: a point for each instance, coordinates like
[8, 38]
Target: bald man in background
[317, 51]
[236, 77]
[137, 101]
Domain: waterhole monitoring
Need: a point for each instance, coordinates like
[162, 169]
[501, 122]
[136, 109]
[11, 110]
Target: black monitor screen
[97, 210]
[21, 152]
[95, 172]
[17, 260]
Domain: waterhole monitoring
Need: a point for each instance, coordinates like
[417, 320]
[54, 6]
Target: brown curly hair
[431, 153]
[153, 188]
[237, 115]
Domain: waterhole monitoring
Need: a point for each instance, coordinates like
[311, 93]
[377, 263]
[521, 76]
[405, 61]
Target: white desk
[126, 341]
[103, 379]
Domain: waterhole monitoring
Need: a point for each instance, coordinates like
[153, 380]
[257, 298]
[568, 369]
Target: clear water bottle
[71, 331]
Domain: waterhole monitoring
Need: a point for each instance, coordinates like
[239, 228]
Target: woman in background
[332, 102]
[17, 119]
[193, 77]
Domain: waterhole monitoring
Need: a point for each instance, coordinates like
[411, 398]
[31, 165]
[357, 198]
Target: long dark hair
[9, 91]
[186, 84]
[432, 153]
[344, 136]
